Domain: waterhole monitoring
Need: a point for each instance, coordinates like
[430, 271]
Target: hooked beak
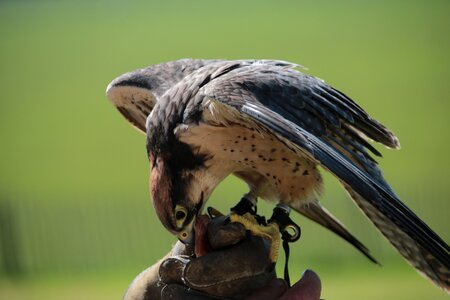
[187, 234]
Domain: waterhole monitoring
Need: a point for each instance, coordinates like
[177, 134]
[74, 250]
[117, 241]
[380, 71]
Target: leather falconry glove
[232, 260]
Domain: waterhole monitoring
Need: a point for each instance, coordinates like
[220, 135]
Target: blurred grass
[76, 174]
[348, 284]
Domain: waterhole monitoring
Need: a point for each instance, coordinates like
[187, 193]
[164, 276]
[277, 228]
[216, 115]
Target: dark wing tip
[364, 123]
[395, 142]
[322, 216]
[382, 134]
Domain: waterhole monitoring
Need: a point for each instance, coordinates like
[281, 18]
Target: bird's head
[179, 188]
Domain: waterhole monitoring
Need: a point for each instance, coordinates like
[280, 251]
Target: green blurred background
[76, 221]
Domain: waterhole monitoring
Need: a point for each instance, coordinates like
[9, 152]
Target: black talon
[244, 206]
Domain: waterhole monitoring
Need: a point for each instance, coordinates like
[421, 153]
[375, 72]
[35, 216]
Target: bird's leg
[284, 207]
[290, 232]
[246, 205]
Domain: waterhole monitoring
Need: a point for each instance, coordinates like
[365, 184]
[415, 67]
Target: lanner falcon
[272, 126]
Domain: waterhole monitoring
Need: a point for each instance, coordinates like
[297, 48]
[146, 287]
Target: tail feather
[319, 214]
[419, 257]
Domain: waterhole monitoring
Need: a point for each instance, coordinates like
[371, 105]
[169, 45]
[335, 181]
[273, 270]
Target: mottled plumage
[270, 125]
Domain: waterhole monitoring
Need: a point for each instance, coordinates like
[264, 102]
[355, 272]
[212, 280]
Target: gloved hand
[230, 263]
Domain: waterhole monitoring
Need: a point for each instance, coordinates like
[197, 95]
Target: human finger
[307, 288]
[272, 291]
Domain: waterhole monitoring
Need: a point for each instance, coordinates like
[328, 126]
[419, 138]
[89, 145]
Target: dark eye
[180, 215]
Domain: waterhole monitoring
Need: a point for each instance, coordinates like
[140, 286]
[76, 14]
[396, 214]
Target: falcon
[272, 126]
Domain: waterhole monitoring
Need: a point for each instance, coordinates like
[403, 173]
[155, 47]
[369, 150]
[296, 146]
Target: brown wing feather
[136, 93]
[330, 127]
